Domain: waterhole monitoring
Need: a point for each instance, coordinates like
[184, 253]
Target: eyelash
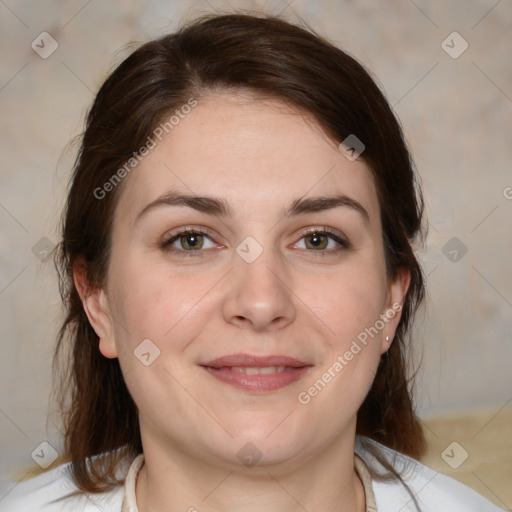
[166, 244]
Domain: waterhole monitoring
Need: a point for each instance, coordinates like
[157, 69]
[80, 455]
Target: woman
[239, 278]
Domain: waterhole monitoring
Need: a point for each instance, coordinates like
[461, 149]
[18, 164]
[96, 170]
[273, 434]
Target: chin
[277, 440]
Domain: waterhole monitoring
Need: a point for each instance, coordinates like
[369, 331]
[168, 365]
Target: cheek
[347, 302]
[153, 303]
[350, 305]
[147, 298]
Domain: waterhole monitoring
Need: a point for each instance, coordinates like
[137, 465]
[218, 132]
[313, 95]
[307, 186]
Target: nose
[260, 296]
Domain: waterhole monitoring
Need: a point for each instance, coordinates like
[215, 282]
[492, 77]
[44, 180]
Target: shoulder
[55, 491]
[433, 491]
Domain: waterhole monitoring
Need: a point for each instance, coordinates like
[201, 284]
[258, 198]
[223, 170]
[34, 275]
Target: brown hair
[238, 51]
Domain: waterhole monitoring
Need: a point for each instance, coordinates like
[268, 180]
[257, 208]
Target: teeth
[255, 371]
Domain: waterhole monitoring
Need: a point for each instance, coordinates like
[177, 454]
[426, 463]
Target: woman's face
[286, 309]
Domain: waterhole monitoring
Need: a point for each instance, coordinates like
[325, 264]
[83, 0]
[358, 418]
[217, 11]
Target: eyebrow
[219, 207]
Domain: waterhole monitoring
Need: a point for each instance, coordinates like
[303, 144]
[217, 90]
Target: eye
[188, 240]
[323, 240]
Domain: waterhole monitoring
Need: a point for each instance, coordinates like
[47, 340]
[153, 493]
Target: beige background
[457, 116]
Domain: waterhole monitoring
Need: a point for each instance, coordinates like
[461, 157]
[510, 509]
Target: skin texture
[258, 155]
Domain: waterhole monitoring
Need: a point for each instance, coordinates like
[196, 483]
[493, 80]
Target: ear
[96, 307]
[397, 290]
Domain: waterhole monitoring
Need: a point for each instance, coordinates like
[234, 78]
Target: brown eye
[191, 241]
[316, 241]
[188, 241]
[322, 241]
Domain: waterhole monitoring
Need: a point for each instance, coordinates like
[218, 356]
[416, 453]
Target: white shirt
[51, 491]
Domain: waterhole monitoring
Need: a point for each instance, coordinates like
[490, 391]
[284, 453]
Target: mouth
[256, 373]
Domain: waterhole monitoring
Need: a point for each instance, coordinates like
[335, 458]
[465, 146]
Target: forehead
[254, 152]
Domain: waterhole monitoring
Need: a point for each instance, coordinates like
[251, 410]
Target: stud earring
[385, 355]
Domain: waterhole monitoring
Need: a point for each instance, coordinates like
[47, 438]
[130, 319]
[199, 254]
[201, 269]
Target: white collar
[130, 501]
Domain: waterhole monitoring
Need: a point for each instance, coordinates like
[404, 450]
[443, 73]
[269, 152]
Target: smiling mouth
[266, 370]
[256, 373]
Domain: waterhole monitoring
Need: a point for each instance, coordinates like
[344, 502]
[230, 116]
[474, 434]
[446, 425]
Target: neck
[173, 480]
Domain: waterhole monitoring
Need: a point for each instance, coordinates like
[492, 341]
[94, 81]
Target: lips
[256, 373]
